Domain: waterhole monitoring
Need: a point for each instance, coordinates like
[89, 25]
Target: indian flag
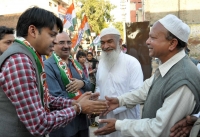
[96, 40]
[84, 27]
[70, 18]
[77, 39]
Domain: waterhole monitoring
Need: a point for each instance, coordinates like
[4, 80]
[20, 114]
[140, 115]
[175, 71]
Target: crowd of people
[46, 89]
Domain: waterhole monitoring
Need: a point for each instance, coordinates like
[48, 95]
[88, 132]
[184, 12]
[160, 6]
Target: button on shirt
[175, 107]
[18, 81]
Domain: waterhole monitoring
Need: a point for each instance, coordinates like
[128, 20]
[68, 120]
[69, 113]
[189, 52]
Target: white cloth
[126, 75]
[175, 107]
[198, 66]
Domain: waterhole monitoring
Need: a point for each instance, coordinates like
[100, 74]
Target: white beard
[110, 58]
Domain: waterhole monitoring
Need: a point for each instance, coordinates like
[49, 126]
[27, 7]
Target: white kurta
[175, 107]
[125, 76]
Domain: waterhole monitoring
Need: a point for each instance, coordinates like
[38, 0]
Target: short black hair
[124, 45]
[38, 17]
[5, 30]
[181, 44]
[90, 53]
[80, 47]
[80, 53]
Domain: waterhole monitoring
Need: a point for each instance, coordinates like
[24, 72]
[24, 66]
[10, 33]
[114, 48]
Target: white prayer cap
[110, 30]
[176, 26]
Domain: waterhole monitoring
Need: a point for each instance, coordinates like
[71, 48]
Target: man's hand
[74, 85]
[182, 128]
[113, 103]
[95, 96]
[91, 107]
[108, 128]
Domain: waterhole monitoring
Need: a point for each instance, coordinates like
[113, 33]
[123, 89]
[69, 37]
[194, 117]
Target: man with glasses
[65, 76]
[6, 38]
[25, 103]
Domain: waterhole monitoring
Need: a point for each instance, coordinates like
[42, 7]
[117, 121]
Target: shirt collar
[23, 39]
[165, 67]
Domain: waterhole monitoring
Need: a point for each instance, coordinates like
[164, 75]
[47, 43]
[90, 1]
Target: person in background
[25, 102]
[94, 54]
[90, 49]
[124, 48]
[170, 94]
[6, 38]
[98, 55]
[80, 48]
[65, 76]
[92, 65]
[117, 74]
[81, 58]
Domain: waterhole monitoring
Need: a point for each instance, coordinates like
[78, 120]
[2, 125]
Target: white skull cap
[176, 26]
[109, 30]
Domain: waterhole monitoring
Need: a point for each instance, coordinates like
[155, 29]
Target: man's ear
[32, 31]
[173, 44]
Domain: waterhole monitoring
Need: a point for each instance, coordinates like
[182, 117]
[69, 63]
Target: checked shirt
[18, 81]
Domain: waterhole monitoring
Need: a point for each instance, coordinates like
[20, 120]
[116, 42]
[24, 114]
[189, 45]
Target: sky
[116, 10]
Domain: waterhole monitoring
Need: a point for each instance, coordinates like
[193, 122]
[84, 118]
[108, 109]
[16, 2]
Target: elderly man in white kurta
[117, 73]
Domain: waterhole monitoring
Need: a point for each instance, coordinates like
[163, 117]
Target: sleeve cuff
[196, 115]
[120, 100]
[84, 83]
[118, 125]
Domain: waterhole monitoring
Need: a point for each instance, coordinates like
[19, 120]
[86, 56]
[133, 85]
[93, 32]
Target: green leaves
[98, 13]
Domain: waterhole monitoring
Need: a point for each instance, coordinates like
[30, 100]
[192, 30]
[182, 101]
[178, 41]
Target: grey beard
[109, 59]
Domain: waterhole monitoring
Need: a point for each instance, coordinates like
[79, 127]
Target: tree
[98, 13]
[119, 26]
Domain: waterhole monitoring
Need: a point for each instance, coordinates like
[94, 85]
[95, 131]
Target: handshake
[88, 103]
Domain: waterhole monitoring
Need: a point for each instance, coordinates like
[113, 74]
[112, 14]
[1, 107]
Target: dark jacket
[57, 88]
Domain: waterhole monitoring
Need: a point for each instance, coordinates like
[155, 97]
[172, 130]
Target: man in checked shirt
[24, 100]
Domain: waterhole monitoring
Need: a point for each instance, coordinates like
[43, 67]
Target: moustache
[107, 49]
[66, 49]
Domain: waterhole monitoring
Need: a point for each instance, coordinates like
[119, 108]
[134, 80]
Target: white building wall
[19, 6]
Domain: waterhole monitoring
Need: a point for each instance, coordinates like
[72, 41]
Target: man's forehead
[63, 36]
[8, 37]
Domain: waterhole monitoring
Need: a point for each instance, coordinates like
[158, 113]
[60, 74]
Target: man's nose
[106, 45]
[148, 41]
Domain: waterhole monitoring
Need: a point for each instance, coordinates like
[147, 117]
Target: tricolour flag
[96, 40]
[84, 27]
[70, 18]
[77, 39]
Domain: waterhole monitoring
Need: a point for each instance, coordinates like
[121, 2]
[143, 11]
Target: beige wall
[187, 10]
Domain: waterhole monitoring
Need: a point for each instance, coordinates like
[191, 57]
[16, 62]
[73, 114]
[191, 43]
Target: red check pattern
[18, 81]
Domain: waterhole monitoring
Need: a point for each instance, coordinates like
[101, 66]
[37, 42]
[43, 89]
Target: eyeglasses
[62, 43]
